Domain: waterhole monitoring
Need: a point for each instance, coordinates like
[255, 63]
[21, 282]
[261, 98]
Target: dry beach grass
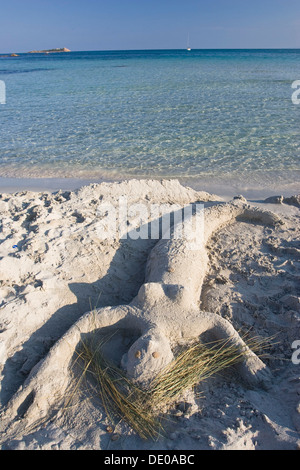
[140, 407]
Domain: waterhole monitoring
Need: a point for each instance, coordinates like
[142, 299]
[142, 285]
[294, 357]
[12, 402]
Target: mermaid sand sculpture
[165, 311]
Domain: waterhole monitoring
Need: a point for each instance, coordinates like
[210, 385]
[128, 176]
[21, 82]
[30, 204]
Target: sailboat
[188, 44]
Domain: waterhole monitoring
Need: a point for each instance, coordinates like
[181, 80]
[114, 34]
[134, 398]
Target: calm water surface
[206, 114]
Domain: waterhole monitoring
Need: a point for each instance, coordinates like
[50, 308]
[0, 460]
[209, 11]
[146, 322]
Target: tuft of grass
[125, 400]
[196, 364]
[121, 398]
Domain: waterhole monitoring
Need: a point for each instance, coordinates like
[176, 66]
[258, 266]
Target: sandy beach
[55, 267]
[149, 228]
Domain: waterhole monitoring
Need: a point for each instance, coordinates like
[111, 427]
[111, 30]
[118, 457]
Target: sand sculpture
[165, 311]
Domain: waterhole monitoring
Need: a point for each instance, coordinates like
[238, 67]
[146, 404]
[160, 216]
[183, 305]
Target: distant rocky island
[50, 51]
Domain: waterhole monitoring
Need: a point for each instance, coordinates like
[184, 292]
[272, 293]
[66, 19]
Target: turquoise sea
[204, 115]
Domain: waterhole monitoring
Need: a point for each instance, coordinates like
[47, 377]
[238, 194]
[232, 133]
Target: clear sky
[148, 24]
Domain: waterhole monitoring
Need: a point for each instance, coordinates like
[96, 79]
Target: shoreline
[224, 189]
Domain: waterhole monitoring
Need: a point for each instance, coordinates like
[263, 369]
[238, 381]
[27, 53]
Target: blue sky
[148, 24]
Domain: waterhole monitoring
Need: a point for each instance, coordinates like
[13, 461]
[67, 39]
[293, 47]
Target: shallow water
[204, 115]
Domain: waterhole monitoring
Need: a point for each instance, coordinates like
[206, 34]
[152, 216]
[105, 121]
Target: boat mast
[188, 43]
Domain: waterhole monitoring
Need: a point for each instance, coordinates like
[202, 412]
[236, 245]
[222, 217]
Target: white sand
[60, 268]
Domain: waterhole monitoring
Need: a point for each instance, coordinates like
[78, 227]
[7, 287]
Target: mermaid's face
[147, 357]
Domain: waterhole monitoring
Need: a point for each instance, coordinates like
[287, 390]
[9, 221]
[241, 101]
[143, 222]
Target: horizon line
[167, 49]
